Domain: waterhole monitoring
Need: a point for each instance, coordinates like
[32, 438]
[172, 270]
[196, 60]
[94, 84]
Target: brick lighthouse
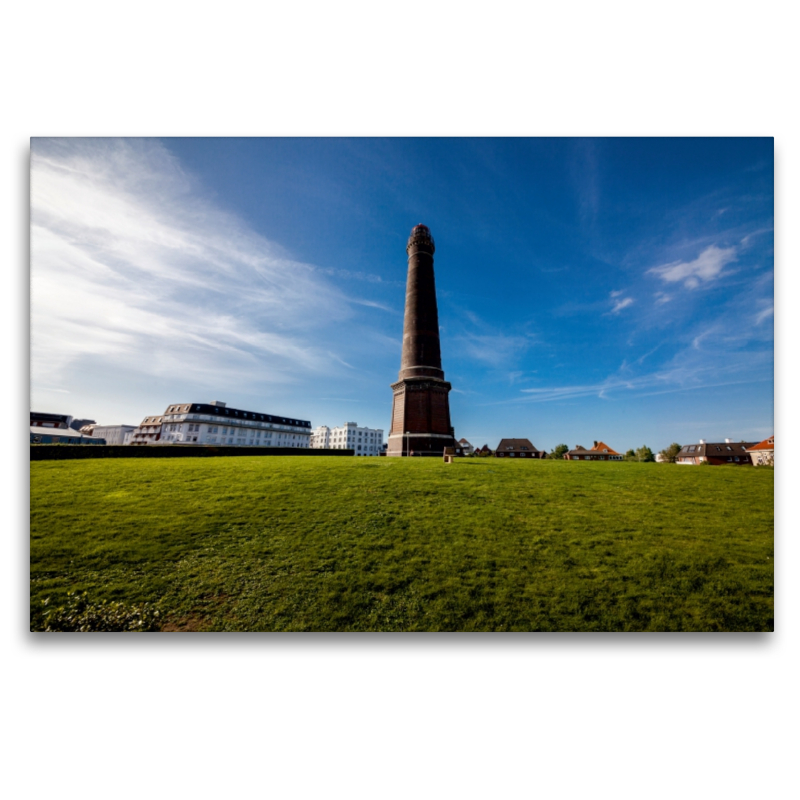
[421, 408]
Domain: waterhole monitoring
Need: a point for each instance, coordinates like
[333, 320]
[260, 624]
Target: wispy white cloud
[495, 349]
[374, 304]
[706, 267]
[661, 298]
[717, 355]
[490, 345]
[622, 303]
[762, 315]
[130, 264]
[350, 275]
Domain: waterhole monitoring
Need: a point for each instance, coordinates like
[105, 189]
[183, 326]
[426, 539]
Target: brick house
[600, 452]
[517, 448]
[763, 452]
[727, 452]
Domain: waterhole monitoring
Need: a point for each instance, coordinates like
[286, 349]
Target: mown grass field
[385, 544]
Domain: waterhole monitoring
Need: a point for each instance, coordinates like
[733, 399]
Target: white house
[363, 441]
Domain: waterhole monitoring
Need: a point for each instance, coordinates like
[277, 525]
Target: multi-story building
[363, 441]
[216, 424]
[113, 434]
[58, 429]
[321, 438]
[148, 432]
[42, 420]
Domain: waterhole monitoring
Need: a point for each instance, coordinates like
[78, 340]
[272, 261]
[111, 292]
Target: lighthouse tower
[421, 410]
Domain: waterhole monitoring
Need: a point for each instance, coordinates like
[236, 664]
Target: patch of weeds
[81, 615]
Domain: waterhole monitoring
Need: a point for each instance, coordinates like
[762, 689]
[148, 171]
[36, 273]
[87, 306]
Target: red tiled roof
[602, 446]
[767, 444]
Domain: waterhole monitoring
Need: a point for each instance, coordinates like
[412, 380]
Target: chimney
[727, 441]
[595, 443]
[217, 403]
[702, 441]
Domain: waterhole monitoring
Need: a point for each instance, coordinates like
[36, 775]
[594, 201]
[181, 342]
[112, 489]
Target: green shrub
[80, 615]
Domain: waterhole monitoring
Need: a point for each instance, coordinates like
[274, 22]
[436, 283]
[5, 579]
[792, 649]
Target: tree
[630, 455]
[670, 452]
[558, 451]
[644, 453]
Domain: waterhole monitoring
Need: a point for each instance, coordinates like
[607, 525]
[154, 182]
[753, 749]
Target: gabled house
[466, 447]
[600, 452]
[517, 448]
[727, 452]
[148, 432]
[763, 452]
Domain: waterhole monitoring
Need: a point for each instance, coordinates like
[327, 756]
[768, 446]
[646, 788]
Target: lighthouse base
[421, 419]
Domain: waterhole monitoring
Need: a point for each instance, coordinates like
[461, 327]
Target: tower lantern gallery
[421, 409]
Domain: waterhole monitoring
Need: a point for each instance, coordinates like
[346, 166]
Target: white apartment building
[216, 424]
[363, 441]
[114, 434]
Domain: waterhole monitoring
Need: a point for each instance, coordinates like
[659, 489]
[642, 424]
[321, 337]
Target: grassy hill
[348, 544]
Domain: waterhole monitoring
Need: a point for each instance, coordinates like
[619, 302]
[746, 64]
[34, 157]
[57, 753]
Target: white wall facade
[363, 441]
[114, 434]
[186, 427]
[321, 438]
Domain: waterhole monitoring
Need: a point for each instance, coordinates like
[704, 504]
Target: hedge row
[51, 452]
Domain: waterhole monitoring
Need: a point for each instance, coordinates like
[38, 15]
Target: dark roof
[517, 444]
[40, 416]
[232, 413]
[714, 449]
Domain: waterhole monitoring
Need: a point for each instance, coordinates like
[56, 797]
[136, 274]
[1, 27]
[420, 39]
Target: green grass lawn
[367, 544]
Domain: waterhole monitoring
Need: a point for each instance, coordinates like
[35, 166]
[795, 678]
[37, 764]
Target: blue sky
[589, 289]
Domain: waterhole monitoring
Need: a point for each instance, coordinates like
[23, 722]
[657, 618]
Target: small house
[600, 451]
[517, 448]
[727, 452]
[763, 452]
